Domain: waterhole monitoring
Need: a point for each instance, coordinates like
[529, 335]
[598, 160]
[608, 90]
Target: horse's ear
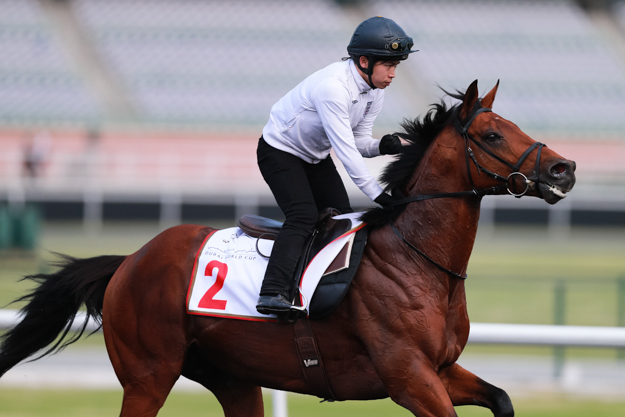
[490, 97]
[470, 98]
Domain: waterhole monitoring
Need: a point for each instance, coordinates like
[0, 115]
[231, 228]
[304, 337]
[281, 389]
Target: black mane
[419, 134]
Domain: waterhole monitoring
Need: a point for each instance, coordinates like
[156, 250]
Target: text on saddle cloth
[228, 272]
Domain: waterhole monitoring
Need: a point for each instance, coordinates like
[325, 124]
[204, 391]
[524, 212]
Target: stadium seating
[213, 62]
[558, 75]
[224, 63]
[37, 83]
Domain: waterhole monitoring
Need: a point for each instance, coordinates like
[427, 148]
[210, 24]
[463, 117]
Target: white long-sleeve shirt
[334, 108]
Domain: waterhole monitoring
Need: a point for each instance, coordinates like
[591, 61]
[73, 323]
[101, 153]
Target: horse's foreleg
[415, 386]
[422, 393]
[465, 388]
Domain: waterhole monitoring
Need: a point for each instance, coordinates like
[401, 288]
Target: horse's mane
[419, 134]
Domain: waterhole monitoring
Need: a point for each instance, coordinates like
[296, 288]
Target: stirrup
[294, 314]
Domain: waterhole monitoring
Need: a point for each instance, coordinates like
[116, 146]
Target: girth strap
[310, 360]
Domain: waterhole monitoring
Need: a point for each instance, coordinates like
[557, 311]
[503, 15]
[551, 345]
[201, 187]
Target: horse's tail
[53, 305]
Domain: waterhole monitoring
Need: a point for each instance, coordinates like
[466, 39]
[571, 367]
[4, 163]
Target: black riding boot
[279, 283]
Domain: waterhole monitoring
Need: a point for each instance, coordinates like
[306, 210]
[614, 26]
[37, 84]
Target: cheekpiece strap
[468, 124]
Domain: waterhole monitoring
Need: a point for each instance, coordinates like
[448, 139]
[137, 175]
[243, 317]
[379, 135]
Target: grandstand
[559, 77]
[212, 62]
[158, 100]
[37, 83]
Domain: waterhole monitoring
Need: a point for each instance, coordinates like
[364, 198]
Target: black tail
[53, 305]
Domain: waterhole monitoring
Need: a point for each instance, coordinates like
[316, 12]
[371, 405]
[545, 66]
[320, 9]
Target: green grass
[52, 403]
[513, 273]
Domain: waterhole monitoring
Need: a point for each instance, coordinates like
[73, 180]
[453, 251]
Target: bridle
[470, 156]
[515, 168]
[474, 192]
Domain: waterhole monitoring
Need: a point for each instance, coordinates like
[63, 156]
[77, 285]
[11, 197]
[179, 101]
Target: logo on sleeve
[367, 108]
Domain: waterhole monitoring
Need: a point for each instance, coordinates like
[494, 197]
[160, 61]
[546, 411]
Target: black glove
[390, 145]
[384, 200]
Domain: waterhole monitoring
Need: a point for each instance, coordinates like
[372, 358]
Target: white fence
[487, 333]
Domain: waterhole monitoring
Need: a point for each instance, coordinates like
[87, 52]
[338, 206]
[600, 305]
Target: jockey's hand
[385, 200]
[390, 145]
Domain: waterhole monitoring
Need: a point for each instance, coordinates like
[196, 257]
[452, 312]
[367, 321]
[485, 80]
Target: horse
[397, 333]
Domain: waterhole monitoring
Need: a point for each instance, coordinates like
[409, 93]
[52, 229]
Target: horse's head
[501, 158]
[469, 151]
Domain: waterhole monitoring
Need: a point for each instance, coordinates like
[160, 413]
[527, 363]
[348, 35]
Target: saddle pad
[228, 272]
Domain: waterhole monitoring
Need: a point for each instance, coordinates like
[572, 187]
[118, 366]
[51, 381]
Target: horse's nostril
[558, 169]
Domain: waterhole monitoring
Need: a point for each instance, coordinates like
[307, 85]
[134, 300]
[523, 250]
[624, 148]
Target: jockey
[334, 108]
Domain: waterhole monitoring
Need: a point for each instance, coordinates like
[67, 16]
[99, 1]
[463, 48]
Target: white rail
[550, 335]
[488, 333]
[9, 318]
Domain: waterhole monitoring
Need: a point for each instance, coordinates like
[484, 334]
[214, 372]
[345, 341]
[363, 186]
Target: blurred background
[119, 118]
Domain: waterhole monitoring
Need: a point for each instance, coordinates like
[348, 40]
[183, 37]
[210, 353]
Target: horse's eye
[491, 137]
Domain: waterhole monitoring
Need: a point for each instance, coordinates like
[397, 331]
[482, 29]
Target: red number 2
[207, 300]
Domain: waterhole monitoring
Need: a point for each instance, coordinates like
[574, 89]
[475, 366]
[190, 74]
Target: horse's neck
[445, 228]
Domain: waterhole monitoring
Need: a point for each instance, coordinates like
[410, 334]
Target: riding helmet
[379, 38]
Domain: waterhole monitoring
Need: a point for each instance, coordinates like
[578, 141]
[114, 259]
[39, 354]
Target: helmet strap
[369, 70]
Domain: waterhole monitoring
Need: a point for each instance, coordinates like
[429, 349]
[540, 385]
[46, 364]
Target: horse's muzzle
[557, 180]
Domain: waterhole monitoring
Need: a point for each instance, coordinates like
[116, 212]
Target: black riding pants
[301, 191]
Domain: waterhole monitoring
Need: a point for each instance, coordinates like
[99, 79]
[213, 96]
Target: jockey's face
[383, 72]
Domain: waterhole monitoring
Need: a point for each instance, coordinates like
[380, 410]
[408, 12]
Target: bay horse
[399, 330]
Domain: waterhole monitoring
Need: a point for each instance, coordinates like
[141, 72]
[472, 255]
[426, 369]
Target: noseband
[470, 156]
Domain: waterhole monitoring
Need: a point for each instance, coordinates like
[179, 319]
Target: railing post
[279, 404]
[92, 211]
[559, 317]
[560, 220]
[245, 204]
[171, 209]
[620, 306]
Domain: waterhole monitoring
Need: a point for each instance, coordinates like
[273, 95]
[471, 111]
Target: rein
[470, 156]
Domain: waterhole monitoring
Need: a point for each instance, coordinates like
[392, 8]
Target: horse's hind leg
[465, 388]
[144, 330]
[147, 371]
[237, 398]
[146, 387]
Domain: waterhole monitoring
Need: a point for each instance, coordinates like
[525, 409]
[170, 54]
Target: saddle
[326, 230]
[337, 277]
